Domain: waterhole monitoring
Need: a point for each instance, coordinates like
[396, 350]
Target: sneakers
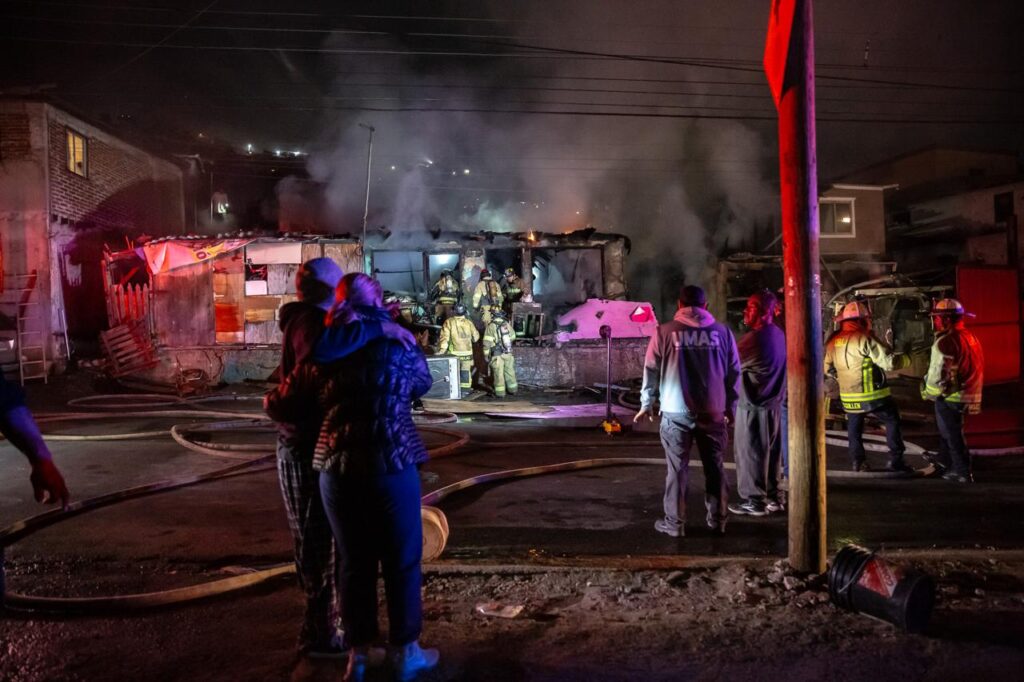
[954, 477]
[410, 660]
[860, 466]
[774, 506]
[749, 508]
[663, 526]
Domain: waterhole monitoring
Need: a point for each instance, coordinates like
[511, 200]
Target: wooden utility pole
[791, 42]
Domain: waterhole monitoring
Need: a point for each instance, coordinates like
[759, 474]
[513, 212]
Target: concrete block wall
[580, 363]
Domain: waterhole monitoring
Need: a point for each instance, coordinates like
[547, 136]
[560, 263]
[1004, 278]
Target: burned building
[212, 304]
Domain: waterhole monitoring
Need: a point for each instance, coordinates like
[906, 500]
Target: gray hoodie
[692, 366]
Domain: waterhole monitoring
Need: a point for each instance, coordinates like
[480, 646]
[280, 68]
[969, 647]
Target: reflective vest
[446, 290]
[859, 362]
[956, 369]
[458, 334]
[498, 338]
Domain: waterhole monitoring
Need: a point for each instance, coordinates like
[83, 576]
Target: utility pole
[789, 64]
[366, 204]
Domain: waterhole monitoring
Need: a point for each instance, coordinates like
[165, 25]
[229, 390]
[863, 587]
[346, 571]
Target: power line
[426, 34]
[539, 52]
[149, 49]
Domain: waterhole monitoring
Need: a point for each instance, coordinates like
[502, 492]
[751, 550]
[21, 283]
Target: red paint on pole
[799, 194]
[776, 47]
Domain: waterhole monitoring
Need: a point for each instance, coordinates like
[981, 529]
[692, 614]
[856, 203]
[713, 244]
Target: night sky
[629, 115]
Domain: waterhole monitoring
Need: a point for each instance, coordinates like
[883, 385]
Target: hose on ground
[255, 462]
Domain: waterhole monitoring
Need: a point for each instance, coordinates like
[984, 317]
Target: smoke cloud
[682, 190]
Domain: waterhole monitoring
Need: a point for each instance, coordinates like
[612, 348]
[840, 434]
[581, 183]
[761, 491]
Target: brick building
[69, 188]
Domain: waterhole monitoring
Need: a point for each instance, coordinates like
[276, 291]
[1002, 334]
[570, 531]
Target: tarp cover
[170, 255]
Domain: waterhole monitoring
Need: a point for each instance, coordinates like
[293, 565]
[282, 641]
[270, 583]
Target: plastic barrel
[863, 582]
[435, 532]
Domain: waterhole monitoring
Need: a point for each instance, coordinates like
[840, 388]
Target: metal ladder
[31, 343]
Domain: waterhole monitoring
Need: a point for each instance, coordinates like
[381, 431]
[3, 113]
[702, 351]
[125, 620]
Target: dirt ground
[730, 619]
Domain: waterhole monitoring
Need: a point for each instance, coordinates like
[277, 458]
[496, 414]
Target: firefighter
[458, 334]
[487, 297]
[954, 380]
[512, 288]
[445, 295]
[859, 360]
[498, 338]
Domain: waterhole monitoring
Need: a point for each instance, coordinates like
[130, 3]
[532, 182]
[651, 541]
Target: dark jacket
[763, 367]
[368, 428]
[299, 418]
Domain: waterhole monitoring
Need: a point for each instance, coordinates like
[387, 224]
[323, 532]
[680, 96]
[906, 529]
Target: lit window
[836, 217]
[77, 154]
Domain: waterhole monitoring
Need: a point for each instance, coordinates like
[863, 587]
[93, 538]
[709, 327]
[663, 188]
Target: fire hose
[256, 461]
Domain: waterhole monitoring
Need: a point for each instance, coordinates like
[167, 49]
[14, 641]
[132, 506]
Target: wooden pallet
[129, 348]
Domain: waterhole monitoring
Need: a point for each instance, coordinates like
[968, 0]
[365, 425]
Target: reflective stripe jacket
[489, 292]
[446, 290]
[859, 362]
[498, 338]
[956, 370]
[458, 334]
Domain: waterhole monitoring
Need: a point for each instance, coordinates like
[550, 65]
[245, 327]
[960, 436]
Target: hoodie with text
[692, 366]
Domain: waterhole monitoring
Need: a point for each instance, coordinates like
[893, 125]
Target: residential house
[69, 189]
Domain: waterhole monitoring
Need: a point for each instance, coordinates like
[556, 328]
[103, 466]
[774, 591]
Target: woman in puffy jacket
[367, 453]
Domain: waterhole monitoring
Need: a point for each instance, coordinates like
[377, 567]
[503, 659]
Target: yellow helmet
[854, 310]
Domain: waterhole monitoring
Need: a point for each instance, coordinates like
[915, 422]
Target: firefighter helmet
[499, 315]
[854, 310]
[509, 272]
[459, 309]
[485, 274]
[949, 306]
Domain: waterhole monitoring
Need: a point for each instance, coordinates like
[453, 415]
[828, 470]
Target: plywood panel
[262, 332]
[183, 310]
[348, 256]
[281, 279]
[311, 251]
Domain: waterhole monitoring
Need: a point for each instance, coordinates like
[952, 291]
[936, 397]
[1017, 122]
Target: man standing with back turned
[757, 445]
[859, 360]
[693, 367]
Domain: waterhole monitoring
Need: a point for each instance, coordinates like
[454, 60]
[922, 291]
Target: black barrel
[863, 582]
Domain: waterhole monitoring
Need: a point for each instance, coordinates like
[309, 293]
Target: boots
[410, 660]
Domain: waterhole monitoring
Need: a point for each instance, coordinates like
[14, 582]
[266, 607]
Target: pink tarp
[171, 254]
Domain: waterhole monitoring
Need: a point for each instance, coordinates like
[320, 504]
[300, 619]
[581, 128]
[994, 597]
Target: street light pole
[366, 204]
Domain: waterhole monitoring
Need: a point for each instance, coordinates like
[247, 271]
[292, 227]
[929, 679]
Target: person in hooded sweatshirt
[693, 368]
[302, 324]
